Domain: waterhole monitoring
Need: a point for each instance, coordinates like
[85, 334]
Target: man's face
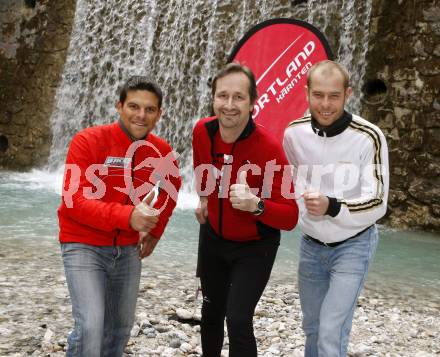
[139, 112]
[232, 103]
[327, 96]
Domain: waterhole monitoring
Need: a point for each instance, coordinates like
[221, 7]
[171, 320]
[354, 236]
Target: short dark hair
[235, 67]
[140, 83]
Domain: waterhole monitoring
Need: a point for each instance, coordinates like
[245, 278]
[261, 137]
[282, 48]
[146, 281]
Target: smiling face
[327, 95]
[232, 103]
[139, 112]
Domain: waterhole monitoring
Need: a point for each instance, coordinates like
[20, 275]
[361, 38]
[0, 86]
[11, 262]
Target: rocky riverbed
[35, 312]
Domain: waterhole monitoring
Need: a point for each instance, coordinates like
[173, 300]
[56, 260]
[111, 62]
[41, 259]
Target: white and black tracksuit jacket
[347, 162]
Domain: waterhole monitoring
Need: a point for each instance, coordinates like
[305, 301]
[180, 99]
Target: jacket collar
[213, 126]
[335, 129]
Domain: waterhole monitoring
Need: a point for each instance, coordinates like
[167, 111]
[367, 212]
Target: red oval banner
[280, 52]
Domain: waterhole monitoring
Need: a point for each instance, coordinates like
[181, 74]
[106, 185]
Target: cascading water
[105, 48]
[180, 44]
[353, 45]
[346, 24]
[317, 14]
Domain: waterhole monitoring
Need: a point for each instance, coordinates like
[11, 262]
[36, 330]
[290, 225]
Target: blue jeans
[103, 284]
[330, 281]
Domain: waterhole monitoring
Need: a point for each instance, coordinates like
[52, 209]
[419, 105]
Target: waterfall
[180, 43]
[317, 14]
[353, 45]
[346, 24]
[102, 53]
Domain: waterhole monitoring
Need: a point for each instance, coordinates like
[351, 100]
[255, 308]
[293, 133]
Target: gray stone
[362, 350]
[184, 314]
[424, 354]
[185, 347]
[135, 331]
[162, 328]
[175, 343]
[432, 14]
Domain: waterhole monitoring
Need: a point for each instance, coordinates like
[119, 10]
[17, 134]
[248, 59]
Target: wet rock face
[34, 36]
[403, 76]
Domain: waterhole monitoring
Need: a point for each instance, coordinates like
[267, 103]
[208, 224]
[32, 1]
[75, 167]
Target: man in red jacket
[107, 220]
[239, 174]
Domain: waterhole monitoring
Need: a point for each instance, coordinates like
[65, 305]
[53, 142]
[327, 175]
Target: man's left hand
[147, 244]
[241, 196]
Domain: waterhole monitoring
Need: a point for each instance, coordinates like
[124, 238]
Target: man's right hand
[144, 218]
[316, 203]
[202, 211]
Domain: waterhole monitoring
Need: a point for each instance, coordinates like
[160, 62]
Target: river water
[406, 265]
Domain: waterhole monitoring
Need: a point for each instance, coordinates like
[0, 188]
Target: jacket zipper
[220, 199]
[220, 213]
[118, 231]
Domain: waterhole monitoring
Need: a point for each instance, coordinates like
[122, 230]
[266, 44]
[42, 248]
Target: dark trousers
[233, 277]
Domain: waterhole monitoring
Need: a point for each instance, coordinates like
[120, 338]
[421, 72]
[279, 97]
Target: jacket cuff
[157, 231]
[122, 219]
[334, 206]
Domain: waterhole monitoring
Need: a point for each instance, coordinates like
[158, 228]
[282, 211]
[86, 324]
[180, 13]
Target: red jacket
[255, 148]
[96, 205]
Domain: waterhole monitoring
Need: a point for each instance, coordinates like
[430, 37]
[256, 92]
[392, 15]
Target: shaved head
[328, 68]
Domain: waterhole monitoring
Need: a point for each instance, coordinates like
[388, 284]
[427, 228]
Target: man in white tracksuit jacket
[341, 172]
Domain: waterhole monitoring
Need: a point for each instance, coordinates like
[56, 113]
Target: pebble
[35, 314]
[186, 347]
[135, 331]
[424, 354]
[175, 343]
[184, 314]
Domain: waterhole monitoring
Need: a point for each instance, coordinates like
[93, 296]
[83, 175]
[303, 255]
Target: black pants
[233, 277]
